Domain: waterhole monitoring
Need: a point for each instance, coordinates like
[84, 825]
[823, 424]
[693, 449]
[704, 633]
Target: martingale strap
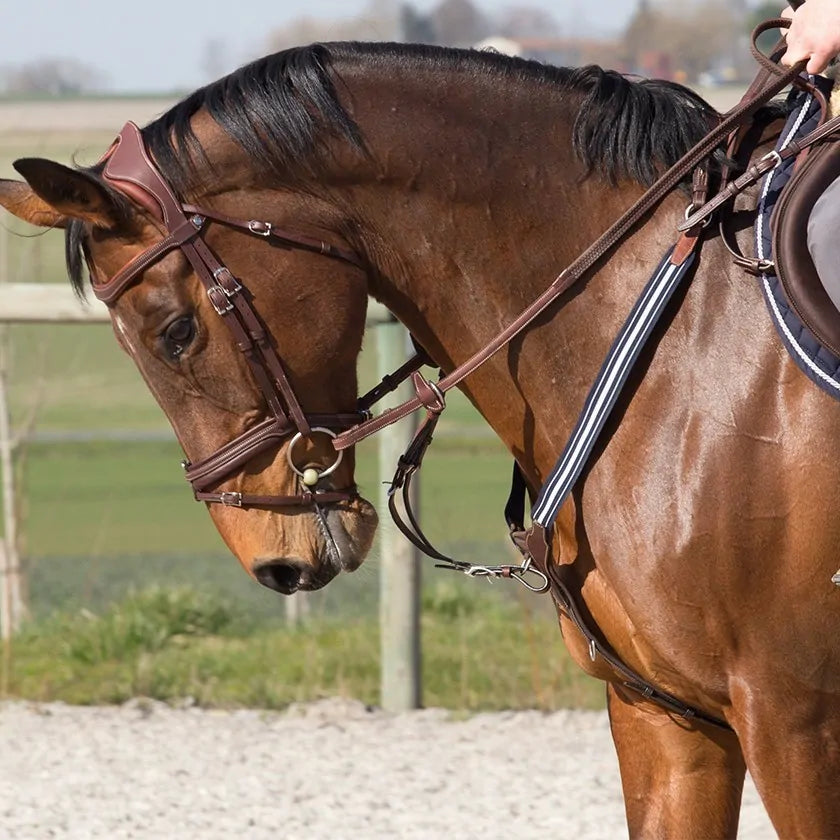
[608, 386]
[602, 398]
[538, 573]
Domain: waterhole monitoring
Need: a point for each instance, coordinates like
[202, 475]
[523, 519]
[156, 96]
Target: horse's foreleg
[678, 781]
[792, 748]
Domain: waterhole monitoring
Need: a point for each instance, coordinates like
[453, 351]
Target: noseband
[130, 171]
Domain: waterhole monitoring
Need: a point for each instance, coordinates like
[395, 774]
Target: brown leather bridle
[129, 170]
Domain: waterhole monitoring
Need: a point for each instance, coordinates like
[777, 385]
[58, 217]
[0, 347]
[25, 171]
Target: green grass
[480, 653]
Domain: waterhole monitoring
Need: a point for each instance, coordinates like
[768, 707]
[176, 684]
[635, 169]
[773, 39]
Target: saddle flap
[795, 268]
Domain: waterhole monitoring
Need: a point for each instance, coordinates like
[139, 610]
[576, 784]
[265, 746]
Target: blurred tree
[641, 33]
[700, 36]
[766, 11]
[460, 23]
[710, 38]
[526, 21]
[53, 77]
[380, 21]
[415, 27]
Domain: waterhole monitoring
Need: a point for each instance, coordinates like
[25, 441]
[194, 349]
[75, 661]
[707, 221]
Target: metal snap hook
[310, 476]
[538, 582]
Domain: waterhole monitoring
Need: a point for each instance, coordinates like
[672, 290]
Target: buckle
[259, 228]
[691, 209]
[227, 282]
[230, 499]
[770, 161]
[219, 298]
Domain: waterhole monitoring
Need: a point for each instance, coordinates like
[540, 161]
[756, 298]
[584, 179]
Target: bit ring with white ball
[310, 476]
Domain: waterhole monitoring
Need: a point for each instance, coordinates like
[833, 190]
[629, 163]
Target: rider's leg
[824, 240]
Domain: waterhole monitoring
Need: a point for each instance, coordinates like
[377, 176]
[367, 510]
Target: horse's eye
[178, 335]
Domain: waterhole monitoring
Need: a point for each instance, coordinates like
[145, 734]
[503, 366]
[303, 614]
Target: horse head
[254, 387]
[316, 144]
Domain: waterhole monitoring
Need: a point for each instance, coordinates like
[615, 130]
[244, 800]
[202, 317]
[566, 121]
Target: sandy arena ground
[328, 770]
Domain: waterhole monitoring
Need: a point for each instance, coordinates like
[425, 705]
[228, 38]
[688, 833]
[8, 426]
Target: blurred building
[561, 52]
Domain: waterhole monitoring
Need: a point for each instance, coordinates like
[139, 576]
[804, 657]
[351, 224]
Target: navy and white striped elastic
[607, 388]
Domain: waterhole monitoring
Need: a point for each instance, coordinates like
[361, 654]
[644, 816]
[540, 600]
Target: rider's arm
[814, 34]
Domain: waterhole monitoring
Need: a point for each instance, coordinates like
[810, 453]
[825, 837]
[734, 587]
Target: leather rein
[130, 171]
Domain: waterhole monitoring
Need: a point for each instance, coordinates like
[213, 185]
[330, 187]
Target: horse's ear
[69, 193]
[20, 200]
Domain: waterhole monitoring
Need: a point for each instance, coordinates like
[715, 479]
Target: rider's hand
[814, 34]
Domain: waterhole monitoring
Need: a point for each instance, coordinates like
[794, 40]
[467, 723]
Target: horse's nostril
[280, 575]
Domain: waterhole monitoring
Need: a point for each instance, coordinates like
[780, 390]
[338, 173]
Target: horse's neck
[479, 202]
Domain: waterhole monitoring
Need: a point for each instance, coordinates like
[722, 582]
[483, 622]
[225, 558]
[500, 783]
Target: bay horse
[452, 186]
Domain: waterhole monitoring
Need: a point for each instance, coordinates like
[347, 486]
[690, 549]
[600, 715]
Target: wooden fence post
[298, 607]
[11, 598]
[399, 610]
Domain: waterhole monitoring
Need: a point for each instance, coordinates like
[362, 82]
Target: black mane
[282, 109]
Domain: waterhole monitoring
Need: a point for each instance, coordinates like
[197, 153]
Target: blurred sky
[161, 45]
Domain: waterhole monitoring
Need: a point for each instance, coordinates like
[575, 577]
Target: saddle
[805, 161]
[795, 269]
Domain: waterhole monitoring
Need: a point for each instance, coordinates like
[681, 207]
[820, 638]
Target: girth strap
[536, 545]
